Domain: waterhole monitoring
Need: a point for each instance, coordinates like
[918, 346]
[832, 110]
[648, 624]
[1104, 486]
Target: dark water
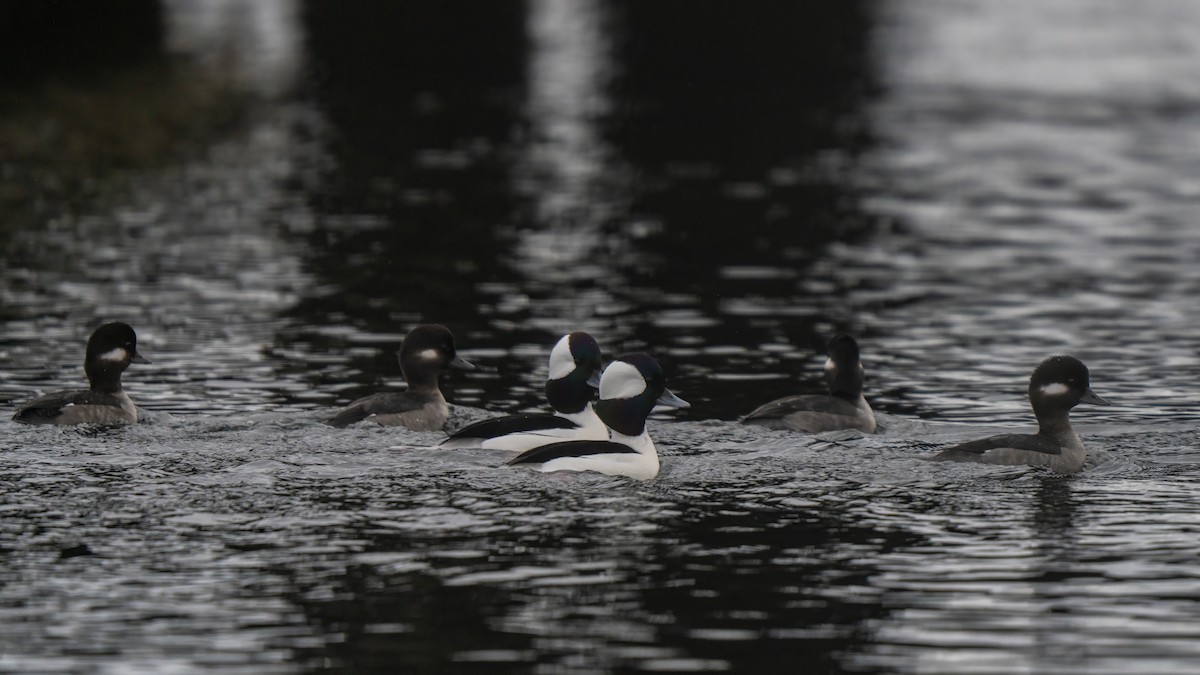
[272, 193]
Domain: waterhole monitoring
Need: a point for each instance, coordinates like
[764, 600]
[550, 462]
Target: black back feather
[513, 424]
[545, 453]
[1029, 442]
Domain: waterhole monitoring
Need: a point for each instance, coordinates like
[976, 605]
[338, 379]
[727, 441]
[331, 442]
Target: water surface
[273, 193]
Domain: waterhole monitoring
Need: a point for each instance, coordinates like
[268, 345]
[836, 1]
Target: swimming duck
[629, 389]
[427, 350]
[110, 350]
[570, 386]
[844, 407]
[1058, 384]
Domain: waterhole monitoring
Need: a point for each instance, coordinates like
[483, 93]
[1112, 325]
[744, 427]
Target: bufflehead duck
[629, 389]
[1058, 384]
[843, 408]
[427, 350]
[110, 350]
[574, 371]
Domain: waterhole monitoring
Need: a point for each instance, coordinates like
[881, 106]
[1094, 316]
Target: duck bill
[1090, 396]
[669, 399]
[462, 364]
[138, 358]
[593, 380]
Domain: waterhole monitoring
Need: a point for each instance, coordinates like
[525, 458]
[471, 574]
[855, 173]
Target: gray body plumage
[844, 407]
[417, 410]
[1058, 384]
[81, 406]
[1063, 453]
[110, 350]
[427, 350]
[815, 414]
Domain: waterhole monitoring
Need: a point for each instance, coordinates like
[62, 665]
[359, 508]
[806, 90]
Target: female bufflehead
[629, 389]
[1058, 384]
[843, 408]
[110, 350]
[570, 386]
[426, 351]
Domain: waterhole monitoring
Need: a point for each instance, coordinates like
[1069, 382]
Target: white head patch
[621, 380]
[429, 355]
[561, 361]
[830, 366]
[1054, 389]
[119, 354]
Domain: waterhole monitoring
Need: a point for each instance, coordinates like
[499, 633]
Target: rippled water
[968, 187]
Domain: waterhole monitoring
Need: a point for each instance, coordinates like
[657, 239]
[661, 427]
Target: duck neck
[1054, 423]
[846, 396]
[625, 417]
[103, 378]
[420, 381]
[845, 382]
[570, 394]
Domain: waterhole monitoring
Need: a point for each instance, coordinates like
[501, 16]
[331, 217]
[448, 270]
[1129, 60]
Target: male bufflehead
[110, 350]
[1058, 384]
[843, 408]
[574, 369]
[426, 351]
[629, 389]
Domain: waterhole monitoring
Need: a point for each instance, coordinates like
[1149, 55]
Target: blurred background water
[274, 192]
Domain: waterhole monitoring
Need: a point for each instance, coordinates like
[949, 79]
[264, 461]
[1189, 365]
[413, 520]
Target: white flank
[1056, 389]
[561, 361]
[118, 354]
[639, 465]
[621, 380]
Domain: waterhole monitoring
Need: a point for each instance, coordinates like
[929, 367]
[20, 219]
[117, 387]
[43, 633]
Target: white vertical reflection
[255, 41]
[564, 160]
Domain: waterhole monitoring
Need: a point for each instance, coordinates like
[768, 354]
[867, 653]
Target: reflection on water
[1045, 206]
[568, 98]
[255, 43]
[568, 174]
[273, 193]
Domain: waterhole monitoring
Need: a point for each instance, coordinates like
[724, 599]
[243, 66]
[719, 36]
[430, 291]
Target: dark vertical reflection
[71, 72]
[745, 88]
[765, 591]
[79, 37]
[743, 123]
[518, 170]
[417, 105]
[1054, 518]
[406, 623]
[416, 99]
[417, 109]
[710, 588]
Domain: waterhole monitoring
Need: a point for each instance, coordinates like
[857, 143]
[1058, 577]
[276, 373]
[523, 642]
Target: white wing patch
[118, 354]
[1055, 389]
[621, 380]
[561, 361]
